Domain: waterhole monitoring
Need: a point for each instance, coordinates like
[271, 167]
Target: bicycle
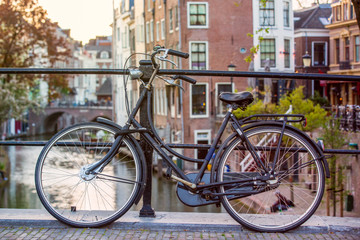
[268, 175]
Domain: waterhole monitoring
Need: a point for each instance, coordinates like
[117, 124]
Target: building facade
[216, 36]
[312, 38]
[344, 53]
[273, 29]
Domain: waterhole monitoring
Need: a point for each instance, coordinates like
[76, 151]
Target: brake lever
[171, 82]
[163, 58]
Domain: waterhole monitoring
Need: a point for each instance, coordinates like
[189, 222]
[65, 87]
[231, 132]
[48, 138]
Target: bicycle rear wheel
[286, 202]
[80, 199]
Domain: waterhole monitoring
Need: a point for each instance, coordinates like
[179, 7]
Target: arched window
[104, 54]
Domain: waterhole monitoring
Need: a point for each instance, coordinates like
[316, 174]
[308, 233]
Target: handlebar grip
[177, 53]
[186, 79]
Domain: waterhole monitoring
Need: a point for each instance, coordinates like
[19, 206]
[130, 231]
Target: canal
[19, 191]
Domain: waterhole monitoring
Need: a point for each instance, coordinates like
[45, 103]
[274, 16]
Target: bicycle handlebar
[185, 78]
[177, 53]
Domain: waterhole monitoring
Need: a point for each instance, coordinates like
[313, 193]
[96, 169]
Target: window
[347, 48]
[319, 53]
[171, 21]
[221, 106]
[352, 15]
[162, 29]
[287, 53]
[157, 31]
[199, 100]
[198, 51]
[267, 52]
[201, 137]
[140, 33]
[176, 17]
[147, 32]
[104, 55]
[357, 48]
[118, 33]
[178, 102]
[197, 15]
[338, 13]
[151, 30]
[345, 9]
[286, 14]
[337, 51]
[267, 13]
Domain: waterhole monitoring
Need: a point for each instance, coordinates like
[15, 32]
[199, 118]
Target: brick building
[215, 34]
[312, 37]
[344, 53]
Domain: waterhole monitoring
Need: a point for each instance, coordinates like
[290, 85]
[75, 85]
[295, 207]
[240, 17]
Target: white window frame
[157, 31]
[152, 30]
[196, 139]
[326, 53]
[104, 55]
[207, 53]
[290, 54]
[162, 23]
[207, 14]
[217, 94]
[147, 32]
[206, 115]
[171, 20]
[149, 5]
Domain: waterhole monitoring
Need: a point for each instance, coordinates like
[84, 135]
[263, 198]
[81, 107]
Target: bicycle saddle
[241, 98]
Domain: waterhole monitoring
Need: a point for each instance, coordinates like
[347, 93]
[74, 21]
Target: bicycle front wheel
[283, 203]
[76, 197]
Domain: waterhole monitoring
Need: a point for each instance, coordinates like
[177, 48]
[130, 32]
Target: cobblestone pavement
[77, 233]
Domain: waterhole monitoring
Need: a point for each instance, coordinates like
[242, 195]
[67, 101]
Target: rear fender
[271, 123]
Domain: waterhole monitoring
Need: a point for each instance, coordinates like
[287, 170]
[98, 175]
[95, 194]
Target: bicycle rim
[283, 204]
[80, 199]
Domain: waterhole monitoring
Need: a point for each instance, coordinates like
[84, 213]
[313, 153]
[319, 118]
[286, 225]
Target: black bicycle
[268, 175]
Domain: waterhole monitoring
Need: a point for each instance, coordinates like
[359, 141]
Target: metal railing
[148, 155]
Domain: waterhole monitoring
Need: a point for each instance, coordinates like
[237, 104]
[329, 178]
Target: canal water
[19, 191]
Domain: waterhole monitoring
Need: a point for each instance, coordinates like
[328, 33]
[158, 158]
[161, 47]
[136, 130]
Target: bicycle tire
[293, 198]
[87, 200]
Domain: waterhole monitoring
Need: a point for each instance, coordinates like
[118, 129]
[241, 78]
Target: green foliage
[15, 99]
[333, 137]
[24, 30]
[315, 115]
[317, 99]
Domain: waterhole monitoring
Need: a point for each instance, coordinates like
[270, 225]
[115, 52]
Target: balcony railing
[345, 65]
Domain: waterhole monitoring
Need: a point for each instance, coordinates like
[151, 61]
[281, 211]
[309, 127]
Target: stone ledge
[176, 221]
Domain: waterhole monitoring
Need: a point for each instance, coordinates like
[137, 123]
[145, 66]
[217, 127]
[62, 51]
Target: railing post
[147, 210]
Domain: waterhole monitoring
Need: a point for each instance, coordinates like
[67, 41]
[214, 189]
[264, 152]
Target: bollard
[147, 210]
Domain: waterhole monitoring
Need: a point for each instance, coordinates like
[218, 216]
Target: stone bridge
[53, 119]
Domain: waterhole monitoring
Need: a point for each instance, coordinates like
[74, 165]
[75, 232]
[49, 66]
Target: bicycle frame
[157, 144]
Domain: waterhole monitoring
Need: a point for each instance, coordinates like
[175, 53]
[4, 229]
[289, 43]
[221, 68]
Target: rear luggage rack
[274, 117]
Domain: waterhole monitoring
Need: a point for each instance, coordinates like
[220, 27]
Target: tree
[315, 115]
[25, 28]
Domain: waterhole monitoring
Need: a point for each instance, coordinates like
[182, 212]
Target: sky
[86, 18]
[90, 18]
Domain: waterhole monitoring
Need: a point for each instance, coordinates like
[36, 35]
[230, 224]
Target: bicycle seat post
[146, 211]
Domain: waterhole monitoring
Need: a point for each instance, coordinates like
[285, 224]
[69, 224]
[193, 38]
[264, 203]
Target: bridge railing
[147, 210]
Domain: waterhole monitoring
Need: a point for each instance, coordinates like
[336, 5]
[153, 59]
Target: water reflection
[19, 191]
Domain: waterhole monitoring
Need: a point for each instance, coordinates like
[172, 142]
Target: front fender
[139, 152]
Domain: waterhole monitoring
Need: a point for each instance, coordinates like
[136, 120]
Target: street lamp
[231, 68]
[306, 62]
